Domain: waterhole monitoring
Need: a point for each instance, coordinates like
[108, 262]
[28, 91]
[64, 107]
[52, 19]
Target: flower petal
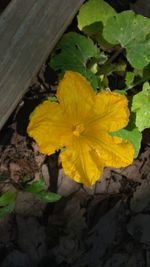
[111, 111]
[113, 151]
[48, 128]
[81, 163]
[76, 96]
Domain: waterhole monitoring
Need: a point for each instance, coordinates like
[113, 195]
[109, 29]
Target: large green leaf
[141, 106]
[94, 11]
[73, 52]
[92, 16]
[132, 32]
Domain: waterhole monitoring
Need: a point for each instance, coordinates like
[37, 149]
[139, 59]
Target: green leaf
[7, 198]
[138, 72]
[94, 11]
[132, 32]
[36, 186]
[73, 52]
[52, 98]
[146, 89]
[129, 79]
[7, 203]
[141, 106]
[92, 16]
[47, 197]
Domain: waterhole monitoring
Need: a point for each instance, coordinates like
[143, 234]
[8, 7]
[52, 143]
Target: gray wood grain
[29, 30]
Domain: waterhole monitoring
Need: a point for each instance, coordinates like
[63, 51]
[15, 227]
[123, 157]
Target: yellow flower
[81, 122]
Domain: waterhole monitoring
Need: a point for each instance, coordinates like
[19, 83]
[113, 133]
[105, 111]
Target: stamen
[78, 129]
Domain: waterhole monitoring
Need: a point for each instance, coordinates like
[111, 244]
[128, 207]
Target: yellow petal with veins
[49, 128]
[111, 111]
[81, 163]
[112, 150]
[76, 96]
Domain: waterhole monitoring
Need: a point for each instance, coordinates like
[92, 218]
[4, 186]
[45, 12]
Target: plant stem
[53, 169]
[116, 54]
[138, 82]
[109, 61]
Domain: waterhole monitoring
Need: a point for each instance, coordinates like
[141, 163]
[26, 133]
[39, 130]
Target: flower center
[78, 129]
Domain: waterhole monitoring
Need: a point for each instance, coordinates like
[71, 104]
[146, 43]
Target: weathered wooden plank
[29, 30]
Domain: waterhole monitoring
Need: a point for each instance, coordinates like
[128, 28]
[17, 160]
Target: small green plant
[37, 188]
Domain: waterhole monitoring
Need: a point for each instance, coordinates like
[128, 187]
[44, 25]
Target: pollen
[78, 129]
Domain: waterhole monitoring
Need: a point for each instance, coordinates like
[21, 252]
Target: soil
[105, 226]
